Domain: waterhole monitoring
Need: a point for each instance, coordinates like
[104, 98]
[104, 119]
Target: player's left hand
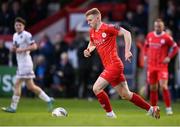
[128, 56]
[166, 60]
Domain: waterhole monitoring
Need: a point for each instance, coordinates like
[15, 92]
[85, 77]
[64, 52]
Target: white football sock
[169, 108]
[150, 111]
[110, 114]
[44, 96]
[14, 102]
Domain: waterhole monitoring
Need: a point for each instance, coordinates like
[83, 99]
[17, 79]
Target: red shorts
[114, 74]
[154, 75]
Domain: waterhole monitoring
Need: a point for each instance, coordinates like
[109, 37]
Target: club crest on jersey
[104, 35]
[162, 41]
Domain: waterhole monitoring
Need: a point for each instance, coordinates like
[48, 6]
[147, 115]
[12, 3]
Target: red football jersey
[157, 47]
[105, 41]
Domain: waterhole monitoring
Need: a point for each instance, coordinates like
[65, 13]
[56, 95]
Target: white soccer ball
[59, 112]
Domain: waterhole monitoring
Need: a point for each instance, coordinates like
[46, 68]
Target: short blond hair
[159, 20]
[93, 11]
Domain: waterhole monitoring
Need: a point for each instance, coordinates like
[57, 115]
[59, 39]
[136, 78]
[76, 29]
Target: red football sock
[166, 97]
[140, 102]
[104, 101]
[154, 98]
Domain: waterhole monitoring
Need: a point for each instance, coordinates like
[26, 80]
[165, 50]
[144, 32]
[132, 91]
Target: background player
[159, 48]
[103, 38]
[23, 45]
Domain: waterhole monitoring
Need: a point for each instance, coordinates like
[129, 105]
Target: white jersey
[24, 60]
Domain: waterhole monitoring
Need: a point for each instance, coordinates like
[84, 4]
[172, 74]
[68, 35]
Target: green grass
[33, 112]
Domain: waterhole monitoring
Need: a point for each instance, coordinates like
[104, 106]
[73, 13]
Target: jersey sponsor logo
[104, 34]
[155, 45]
[97, 42]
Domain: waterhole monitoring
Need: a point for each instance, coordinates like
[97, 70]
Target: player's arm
[31, 47]
[13, 49]
[90, 48]
[128, 40]
[173, 50]
[14, 45]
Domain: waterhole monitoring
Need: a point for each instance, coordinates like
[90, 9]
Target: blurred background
[61, 32]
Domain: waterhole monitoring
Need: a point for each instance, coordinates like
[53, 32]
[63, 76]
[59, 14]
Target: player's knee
[125, 96]
[16, 86]
[31, 88]
[164, 87]
[96, 90]
[153, 88]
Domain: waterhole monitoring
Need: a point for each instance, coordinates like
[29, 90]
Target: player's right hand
[87, 53]
[128, 56]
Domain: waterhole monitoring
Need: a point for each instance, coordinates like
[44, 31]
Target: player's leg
[125, 93]
[98, 89]
[152, 78]
[37, 90]
[15, 98]
[163, 81]
[154, 94]
[166, 96]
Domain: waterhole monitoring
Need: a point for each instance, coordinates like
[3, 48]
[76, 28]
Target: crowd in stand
[60, 66]
[32, 11]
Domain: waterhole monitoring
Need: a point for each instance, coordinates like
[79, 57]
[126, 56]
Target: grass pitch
[33, 112]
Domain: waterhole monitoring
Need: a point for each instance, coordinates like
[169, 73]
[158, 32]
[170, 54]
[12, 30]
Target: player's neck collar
[19, 32]
[158, 35]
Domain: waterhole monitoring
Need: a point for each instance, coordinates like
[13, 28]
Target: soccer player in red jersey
[159, 49]
[103, 38]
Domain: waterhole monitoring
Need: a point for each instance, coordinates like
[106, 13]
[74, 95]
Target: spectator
[85, 66]
[60, 46]
[140, 19]
[40, 70]
[53, 7]
[16, 11]
[140, 70]
[38, 11]
[64, 77]
[46, 48]
[5, 18]
[4, 54]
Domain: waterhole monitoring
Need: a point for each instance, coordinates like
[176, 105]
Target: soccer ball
[59, 112]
